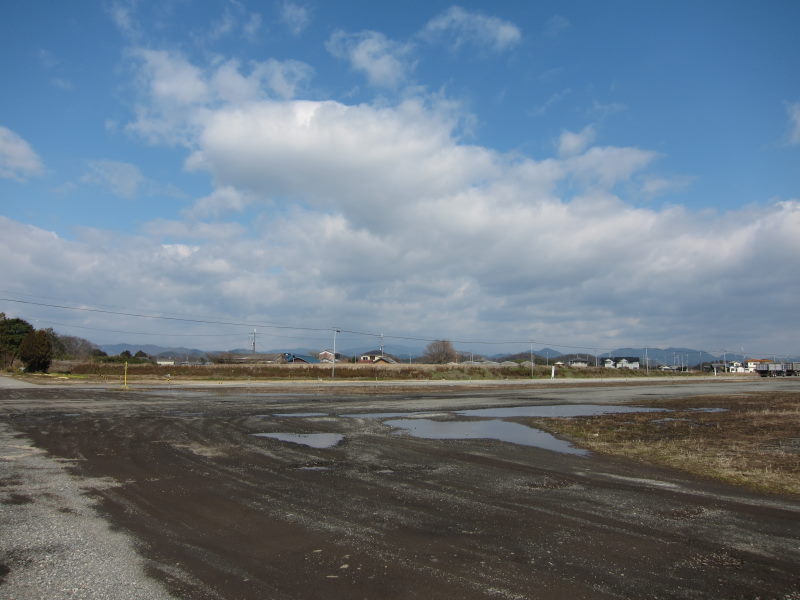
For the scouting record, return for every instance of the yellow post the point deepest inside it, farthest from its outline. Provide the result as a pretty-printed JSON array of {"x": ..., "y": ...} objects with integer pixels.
[{"x": 125, "y": 384}]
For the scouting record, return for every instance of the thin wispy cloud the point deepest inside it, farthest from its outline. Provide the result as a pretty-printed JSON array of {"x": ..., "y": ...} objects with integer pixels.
[
  {"x": 385, "y": 63},
  {"x": 793, "y": 111},
  {"x": 18, "y": 160},
  {"x": 457, "y": 27},
  {"x": 295, "y": 17}
]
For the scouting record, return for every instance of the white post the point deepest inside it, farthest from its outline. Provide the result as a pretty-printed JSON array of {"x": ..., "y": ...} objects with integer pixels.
[
  {"x": 333, "y": 362},
  {"x": 531, "y": 361},
  {"x": 553, "y": 372}
]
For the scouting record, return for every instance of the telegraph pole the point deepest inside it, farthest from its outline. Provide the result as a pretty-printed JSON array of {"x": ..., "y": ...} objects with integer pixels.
[
  {"x": 531, "y": 361},
  {"x": 254, "y": 340},
  {"x": 333, "y": 362}
]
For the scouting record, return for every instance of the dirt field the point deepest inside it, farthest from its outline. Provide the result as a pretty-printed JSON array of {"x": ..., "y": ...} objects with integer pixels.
[{"x": 218, "y": 512}]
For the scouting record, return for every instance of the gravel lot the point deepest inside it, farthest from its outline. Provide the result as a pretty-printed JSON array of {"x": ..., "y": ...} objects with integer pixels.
[{"x": 106, "y": 493}]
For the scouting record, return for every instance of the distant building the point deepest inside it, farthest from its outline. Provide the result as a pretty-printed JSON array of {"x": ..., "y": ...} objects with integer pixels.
[
  {"x": 621, "y": 362},
  {"x": 327, "y": 356},
  {"x": 288, "y": 357},
  {"x": 751, "y": 364},
  {"x": 376, "y": 356},
  {"x": 581, "y": 363}
]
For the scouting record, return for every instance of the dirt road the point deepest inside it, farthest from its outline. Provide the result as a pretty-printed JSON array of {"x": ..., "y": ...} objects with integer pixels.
[{"x": 218, "y": 512}]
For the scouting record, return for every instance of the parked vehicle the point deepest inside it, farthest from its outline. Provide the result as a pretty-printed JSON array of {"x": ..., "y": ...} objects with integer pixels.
[{"x": 778, "y": 369}]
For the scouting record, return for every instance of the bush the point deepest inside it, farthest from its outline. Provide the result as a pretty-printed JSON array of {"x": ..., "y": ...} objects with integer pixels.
[{"x": 36, "y": 351}]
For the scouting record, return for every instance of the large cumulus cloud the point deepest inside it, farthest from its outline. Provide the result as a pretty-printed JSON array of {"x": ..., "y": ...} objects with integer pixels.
[{"x": 382, "y": 217}]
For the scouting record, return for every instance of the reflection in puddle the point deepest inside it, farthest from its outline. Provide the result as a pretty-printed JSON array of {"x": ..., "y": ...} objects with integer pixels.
[
  {"x": 387, "y": 415},
  {"x": 313, "y": 468},
  {"x": 312, "y": 440},
  {"x": 559, "y": 410},
  {"x": 301, "y": 414},
  {"x": 492, "y": 429}
]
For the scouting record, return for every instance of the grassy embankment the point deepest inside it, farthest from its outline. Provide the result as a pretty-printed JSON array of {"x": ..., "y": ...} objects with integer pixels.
[
  {"x": 755, "y": 442},
  {"x": 346, "y": 371}
]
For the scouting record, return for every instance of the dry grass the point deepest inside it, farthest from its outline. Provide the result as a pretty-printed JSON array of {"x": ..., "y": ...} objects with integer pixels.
[
  {"x": 755, "y": 443},
  {"x": 100, "y": 371}
]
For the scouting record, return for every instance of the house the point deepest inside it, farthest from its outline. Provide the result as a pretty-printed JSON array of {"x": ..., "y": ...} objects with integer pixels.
[
  {"x": 376, "y": 356},
  {"x": 621, "y": 362},
  {"x": 751, "y": 364},
  {"x": 288, "y": 357},
  {"x": 326, "y": 356},
  {"x": 627, "y": 362}
]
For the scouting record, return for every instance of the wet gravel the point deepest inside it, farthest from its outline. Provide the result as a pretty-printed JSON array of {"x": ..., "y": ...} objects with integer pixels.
[{"x": 53, "y": 544}]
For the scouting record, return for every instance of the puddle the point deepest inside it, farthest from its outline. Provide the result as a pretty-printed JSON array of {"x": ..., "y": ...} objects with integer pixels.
[
  {"x": 300, "y": 414},
  {"x": 667, "y": 420},
  {"x": 709, "y": 410},
  {"x": 560, "y": 410},
  {"x": 312, "y": 440},
  {"x": 387, "y": 415},
  {"x": 313, "y": 468},
  {"x": 492, "y": 429}
]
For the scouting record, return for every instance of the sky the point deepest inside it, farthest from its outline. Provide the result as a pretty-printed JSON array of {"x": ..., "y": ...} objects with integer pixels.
[{"x": 581, "y": 175}]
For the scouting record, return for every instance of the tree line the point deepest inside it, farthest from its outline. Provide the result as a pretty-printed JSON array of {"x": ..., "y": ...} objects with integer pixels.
[{"x": 37, "y": 348}]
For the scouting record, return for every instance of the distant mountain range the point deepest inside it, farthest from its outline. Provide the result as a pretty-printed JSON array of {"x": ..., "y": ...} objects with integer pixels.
[{"x": 656, "y": 356}]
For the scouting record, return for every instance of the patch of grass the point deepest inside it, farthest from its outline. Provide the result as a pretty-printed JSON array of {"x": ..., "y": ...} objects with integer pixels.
[{"x": 755, "y": 442}]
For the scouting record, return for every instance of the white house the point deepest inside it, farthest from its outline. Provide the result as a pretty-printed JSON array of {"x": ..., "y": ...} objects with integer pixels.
[{"x": 621, "y": 362}]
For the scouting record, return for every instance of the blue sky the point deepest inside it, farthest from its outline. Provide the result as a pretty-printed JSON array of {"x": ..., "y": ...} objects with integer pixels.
[{"x": 590, "y": 174}]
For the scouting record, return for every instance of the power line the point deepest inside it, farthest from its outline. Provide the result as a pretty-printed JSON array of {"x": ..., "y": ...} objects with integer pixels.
[
  {"x": 285, "y": 327},
  {"x": 182, "y": 319}
]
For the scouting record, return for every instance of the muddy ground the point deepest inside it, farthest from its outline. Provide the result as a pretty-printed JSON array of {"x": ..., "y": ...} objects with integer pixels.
[{"x": 218, "y": 512}]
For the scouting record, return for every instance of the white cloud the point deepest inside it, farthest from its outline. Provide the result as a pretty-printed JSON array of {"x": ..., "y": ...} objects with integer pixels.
[
  {"x": 539, "y": 111},
  {"x": 18, "y": 161},
  {"x": 172, "y": 78},
  {"x": 609, "y": 165},
  {"x": 380, "y": 217},
  {"x": 793, "y": 110},
  {"x": 656, "y": 186},
  {"x": 555, "y": 25},
  {"x": 252, "y": 26},
  {"x": 120, "y": 178},
  {"x": 121, "y": 13},
  {"x": 458, "y": 27},
  {"x": 271, "y": 77},
  {"x": 384, "y": 62},
  {"x": 175, "y": 93},
  {"x": 295, "y": 16},
  {"x": 571, "y": 143},
  {"x": 221, "y": 201}
]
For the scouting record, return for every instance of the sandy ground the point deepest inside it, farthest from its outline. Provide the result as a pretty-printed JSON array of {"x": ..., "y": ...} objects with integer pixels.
[{"x": 213, "y": 511}]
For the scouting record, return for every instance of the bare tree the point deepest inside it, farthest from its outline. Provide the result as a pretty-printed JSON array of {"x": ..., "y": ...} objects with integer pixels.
[{"x": 440, "y": 352}]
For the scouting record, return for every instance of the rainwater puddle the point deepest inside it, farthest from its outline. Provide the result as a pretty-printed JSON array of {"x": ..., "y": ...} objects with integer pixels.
[
  {"x": 313, "y": 468},
  {"x": 492, "y": 429},
  {"x": 386, "y": 415},
  {"x": 312, "y": 440},
  {"x": 709, "y": 410},
  {"x": 559, "y": 410},
  {"x": 301, "y": 414}
]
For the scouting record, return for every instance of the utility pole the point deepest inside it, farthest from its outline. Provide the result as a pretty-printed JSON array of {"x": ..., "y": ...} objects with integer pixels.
[
  {"x": 531, "y": 361},
  {"x": 333, "y": 362},
  {"x": 254, "y": 340},
  {"x": 381, "y": 344}
]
